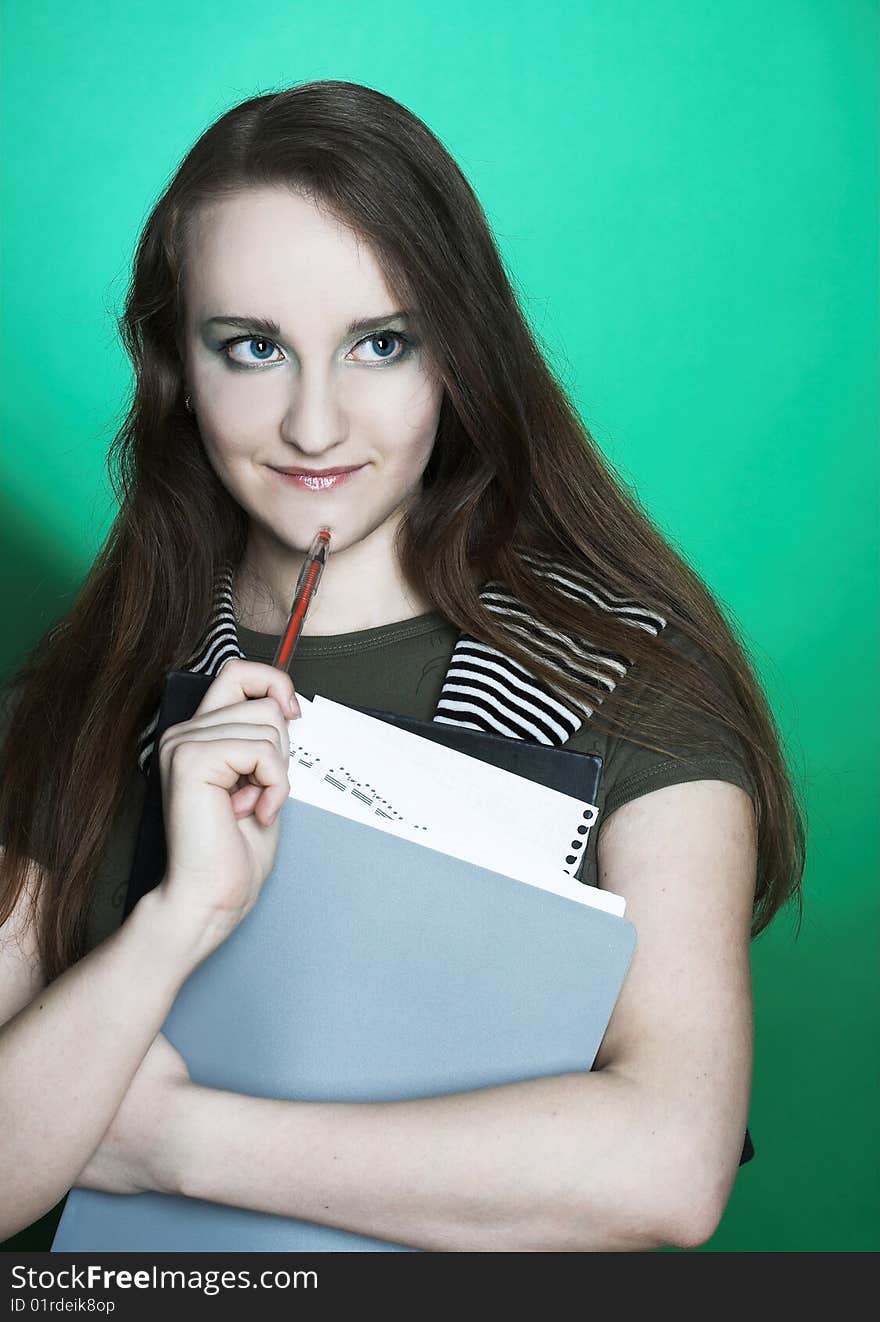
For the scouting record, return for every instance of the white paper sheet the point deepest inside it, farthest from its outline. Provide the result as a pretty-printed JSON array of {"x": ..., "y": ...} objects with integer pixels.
[{"x": 366, "y": 769}]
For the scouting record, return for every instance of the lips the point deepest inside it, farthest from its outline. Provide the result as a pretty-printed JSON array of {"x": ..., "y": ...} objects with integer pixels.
[
  {"x": 316, "y": 479},
  {"x": 317, "y": 472}
]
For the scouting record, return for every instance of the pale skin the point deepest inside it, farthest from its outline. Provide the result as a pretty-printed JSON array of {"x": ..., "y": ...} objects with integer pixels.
[
  {"x": 640, "y": 1152},
  {"x": 317, "y": 397}
]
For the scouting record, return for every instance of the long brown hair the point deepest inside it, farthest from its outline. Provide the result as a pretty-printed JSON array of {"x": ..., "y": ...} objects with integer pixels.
[{"x": 513, "y": 468}]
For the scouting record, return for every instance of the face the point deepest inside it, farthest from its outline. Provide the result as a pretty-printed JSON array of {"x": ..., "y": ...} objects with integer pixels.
[{"x": 283, "y": 408}]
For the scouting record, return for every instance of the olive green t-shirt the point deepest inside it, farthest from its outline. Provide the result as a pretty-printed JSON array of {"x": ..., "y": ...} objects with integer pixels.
[{"x": 400, "y": 668}]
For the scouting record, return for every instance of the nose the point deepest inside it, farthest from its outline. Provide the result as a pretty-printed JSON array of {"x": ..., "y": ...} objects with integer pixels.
[{"x": 313, "y": 422}]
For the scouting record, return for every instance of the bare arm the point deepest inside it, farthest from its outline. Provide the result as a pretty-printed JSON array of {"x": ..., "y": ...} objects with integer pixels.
[
  {"x": 639, "y": 1153},
  {"x": 69, "y": 1051}
]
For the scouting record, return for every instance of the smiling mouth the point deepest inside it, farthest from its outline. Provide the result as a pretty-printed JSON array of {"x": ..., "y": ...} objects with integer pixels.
[{"x": 316, "y": 480}]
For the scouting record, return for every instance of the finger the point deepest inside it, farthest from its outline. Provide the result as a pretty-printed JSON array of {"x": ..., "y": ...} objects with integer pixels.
[
  {"x": 221, "y": 762},
  {"x": 253, "y": 710},
  {"x": 244, "y": 800},
  {"x": 220, "y": 729},
  {"x": 240, "y": 679}
]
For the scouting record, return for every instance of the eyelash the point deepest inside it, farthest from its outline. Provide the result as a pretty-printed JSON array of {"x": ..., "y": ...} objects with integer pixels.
[{"x": 405, "y": 341}]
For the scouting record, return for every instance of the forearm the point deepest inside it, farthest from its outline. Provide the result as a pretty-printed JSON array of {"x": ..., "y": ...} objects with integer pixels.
[
  {"x": 569, "y": 1163},
  {"x": 67, "y": 1058}
]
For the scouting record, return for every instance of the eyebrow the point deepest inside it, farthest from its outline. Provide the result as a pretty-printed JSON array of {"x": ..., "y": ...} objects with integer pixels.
[{"x": 266, "y": 326}]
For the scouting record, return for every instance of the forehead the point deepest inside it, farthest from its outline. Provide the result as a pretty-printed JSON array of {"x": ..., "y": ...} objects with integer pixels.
[{"x": 280, "y": 248}]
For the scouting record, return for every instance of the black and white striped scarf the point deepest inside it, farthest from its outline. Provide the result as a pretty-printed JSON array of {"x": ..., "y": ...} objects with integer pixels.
[{"x": 483, "y": 689}]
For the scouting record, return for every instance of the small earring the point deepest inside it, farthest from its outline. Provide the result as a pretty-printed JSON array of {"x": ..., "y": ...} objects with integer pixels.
[{"x": 187, "y": 404}]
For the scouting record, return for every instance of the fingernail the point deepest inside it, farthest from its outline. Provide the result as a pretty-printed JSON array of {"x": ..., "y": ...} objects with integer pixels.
[{"x": 293, "y": 707}]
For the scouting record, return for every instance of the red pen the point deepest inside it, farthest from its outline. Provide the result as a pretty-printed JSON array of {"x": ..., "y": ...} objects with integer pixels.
[{"x": 303, "y": 595}]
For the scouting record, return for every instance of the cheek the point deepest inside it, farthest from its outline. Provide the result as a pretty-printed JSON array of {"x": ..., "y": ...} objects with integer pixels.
[
  {"x": 229, "y": 463},
  {"x": 225, "y": 449},
  {"x": 423, "y": 415},
  {"x": 408, "y": 460}
]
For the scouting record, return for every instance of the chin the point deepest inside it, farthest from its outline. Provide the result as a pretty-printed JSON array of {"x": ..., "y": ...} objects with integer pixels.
[
  {"x": 345, "y": 532},
  {"x": 342, "y": 535}
]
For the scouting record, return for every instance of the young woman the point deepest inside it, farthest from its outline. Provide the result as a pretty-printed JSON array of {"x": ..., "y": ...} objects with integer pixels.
[{"x": 322, "y": 332}]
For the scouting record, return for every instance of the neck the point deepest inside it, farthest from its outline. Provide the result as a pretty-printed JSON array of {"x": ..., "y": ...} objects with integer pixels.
[{"x": 362, "y": 587}]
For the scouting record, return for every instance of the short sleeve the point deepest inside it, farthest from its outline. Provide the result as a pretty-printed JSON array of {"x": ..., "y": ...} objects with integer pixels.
[{"x": 632, "y": 770}]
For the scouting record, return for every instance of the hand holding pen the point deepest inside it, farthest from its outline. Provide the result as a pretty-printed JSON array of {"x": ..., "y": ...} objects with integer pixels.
[{"x": 225, "y": 779}]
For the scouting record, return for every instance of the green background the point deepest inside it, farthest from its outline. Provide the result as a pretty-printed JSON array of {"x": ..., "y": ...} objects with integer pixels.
[{"x": 686, "y": 195}]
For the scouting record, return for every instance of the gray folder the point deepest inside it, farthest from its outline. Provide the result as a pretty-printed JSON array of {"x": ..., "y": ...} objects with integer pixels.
[{"x": 370, "y": 969}]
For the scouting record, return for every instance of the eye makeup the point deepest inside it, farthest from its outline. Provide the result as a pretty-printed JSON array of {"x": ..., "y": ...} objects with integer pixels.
[{"x": 407, "y": 342}]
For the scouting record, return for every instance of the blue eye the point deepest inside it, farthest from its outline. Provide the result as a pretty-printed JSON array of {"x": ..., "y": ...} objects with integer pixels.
[
  {"x": 245, "y": 339},
  {"x": 380, "y": 336},
  {"x": 404, "y": 342}
]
